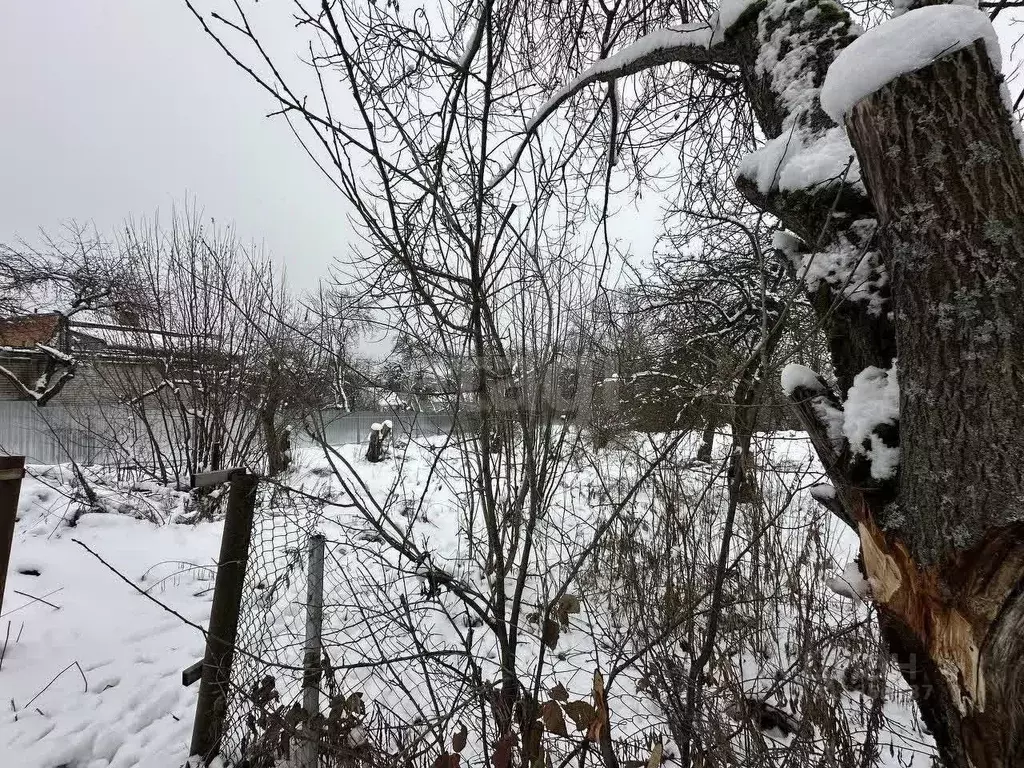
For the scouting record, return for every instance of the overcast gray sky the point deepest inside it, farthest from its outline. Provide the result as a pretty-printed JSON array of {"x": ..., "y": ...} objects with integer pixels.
[
  {"x": 112, "y": 108},
  {"x": 117, "y": 108}
]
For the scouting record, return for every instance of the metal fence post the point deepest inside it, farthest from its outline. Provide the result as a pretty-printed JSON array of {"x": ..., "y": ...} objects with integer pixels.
[
  {"x": 211, "y": 707},
  {"x": 12, "y": 469},
  {"x": 314, "y": 635}
]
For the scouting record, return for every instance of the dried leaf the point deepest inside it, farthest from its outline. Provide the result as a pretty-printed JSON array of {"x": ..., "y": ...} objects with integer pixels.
[
  {"x": 502, "y": 755},
  {"x": 601, "y": 708},
  {"x": 284, "y": 746},
  {"x": 657, "y": 751},
  {"x": 565, "y": 605},
  {"x": 265, "y": 691},
  {"x": 354, "y": 704},
  {"x": 295, "y": 715},
  {"x": 445, "y": 760},
  {"x": 582, "y": 714},
  {"x": 554, "y": 721},
  {"x": 459, "y": 739},
  {"x": 558, "y": 693},
  {"x": 569, "y": 603},
  {"x": 551, "y": 632}
]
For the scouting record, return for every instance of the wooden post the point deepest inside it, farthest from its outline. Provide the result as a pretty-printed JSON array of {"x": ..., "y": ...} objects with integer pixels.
[
  {"x": 314, "y": 634},
  {"x": 12, "y": 469},
  {"x": 211, "y": 707}
]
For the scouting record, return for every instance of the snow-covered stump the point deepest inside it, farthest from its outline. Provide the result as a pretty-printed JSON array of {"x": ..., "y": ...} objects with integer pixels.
[
  {"x": 380, "y": 434},
  {"x": 927, "y": 113}
]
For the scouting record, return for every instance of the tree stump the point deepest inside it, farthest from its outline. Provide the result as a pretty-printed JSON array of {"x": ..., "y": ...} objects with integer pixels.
[{"x": 380, "y": 437}]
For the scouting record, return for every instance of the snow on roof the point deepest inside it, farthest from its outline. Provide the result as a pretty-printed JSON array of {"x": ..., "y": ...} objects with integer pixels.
[
  {"x": 901, "y": 45},
  {"x": 131, "y": 337}
]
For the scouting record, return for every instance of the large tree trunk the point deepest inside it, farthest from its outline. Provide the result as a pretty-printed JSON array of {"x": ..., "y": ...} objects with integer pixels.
[{"x": 946, "y": 557}]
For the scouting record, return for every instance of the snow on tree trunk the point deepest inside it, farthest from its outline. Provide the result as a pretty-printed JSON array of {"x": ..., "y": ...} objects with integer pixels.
[
  {"x": 707, "y": 442},
  {"x": 942, "y": 163}
]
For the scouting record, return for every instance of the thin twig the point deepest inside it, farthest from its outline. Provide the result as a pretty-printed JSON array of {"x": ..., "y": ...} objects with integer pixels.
[
  {"x": 33, "y": 597},
  {"x": 14, "y": 610},
  {"x": 4, "y": 651},
  {"x": 54, "y": 679}
]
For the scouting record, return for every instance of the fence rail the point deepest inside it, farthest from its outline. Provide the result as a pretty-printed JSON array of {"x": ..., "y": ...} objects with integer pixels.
[
  {"x": 84, "y": 433},
  {"x": 53, "y": 434}
]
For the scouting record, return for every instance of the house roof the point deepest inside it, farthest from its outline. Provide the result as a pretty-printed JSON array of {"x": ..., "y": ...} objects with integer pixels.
[
  {"x": 26, "y": 331},
  {"x": 127, "y": 337}
]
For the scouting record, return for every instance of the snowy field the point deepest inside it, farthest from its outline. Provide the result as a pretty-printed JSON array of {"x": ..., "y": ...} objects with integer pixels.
[{"x": 91, "y": 677}]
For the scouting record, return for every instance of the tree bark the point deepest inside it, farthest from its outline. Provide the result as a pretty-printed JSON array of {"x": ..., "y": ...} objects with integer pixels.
[{"x": 943, "y": 167}]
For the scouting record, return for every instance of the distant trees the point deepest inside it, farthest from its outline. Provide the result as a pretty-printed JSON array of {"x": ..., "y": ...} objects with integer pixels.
[
  {"x": 229, "y": 371},
  {"x": 334, "y": 321},
  {"x": 208, "y": 359}
]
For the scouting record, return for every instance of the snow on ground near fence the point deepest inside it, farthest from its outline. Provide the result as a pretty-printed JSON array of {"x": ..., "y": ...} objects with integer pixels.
[
  {"x": 97, "y": 683},
  {"x": 114, "y": 658}
]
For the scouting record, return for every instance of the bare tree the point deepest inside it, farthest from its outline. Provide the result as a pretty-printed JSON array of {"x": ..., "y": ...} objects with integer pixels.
[
  {"x": 927, "y": 530},
  {"x": 71, "y": 274},
  {"x": 216, "y": 369}
]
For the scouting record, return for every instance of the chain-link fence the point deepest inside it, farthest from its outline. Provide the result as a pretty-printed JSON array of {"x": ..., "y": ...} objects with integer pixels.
[
  {"x": 289, "y": 646},
  {"x": 332, "y": 623},
  {"x": 267, "y": 670}
]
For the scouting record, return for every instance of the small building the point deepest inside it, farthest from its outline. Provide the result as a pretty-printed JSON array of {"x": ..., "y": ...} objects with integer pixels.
[{"x": 85, "y": 361}]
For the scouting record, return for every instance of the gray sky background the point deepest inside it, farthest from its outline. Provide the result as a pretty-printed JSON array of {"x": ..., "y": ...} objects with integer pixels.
[
  {"x": 115, "y": 108},
  {"x": 118, "y": 108}
]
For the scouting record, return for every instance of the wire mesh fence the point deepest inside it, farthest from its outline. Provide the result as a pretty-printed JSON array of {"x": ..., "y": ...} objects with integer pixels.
[
  {"x": 323, "y": 667},
  {"x": 266, "y": 674}
]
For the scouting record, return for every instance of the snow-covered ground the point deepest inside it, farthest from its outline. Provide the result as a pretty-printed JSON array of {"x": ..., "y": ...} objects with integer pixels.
[{"x": 96, "y": 681}]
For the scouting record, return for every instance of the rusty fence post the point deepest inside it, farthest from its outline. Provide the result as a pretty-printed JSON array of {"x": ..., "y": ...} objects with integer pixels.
[
  {"x": 211, "y": 707},
  {"x": 12, "y": 469}
]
